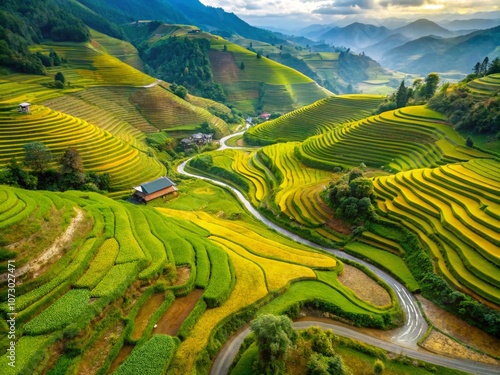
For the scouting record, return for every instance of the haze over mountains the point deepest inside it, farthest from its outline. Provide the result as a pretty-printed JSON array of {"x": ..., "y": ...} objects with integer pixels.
[{"x": 418, "y": 45}]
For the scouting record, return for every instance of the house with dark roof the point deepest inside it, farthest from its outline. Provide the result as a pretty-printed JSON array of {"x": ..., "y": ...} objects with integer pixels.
[{"x": 154, "y": 189}]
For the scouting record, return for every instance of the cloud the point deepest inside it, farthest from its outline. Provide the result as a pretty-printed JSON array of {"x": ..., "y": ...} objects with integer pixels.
[
  {"x": 403, "y": 3},
  {"x": 346, "y": 7}
]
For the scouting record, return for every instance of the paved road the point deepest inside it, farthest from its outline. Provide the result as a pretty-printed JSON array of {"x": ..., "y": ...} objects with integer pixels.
[{"x": 404, "y": 339}]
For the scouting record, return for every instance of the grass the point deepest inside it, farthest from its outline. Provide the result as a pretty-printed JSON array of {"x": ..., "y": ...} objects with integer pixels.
[{"x": 386, "y": 260}]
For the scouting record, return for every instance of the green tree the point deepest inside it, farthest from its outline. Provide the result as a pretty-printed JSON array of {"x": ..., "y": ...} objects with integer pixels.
[
  {"x": 469, "y": 142},
  {"x": 180, "y": 91},
  {"x": 60, "y": 77},
  {"x": 225, "y": 48},
  {"x": 242, "y": 66},
  {"x": 378, "y": 367},
  {"x": 259, "y": 55},
  {"x": 37, "y": 156},
  {"x": 401, "y": 95},
  {"x": 73, "y": 175},
  {"x": 274, "y": 336},
  {"x": 431, "y": 85}
]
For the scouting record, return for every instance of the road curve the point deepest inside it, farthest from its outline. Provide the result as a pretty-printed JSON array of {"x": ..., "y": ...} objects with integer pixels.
[{"x": 404, "y": 339}]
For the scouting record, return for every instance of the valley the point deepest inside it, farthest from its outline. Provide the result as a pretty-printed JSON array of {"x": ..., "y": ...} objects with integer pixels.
[{"x": 302, "y": 185}]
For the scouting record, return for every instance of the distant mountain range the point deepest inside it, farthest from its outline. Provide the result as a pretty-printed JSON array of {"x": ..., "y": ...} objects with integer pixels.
[
  {"x": 420, "y": 46},
  {"x": 190, "y": 12}
]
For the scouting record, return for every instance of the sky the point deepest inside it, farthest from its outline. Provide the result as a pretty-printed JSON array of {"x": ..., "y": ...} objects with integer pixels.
[{"x": 299, "y": 13}]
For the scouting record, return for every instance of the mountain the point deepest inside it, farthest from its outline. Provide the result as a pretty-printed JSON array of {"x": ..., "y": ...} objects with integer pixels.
[
  {"x": 190, "y": 12},
  {"x": 472, "y": 24},
  {"x": 422, "y": 27},
  {"x": 432, "y": 53},
  {"x": 356, "y": 35},
  {"x": 378, "y": 50}
]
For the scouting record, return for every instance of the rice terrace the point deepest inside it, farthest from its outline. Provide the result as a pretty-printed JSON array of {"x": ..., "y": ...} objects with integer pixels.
[{"x": 184, "y": 193}]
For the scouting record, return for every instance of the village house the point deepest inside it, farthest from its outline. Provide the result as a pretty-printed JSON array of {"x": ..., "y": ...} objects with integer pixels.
[
  {"x": 154, "y": 189},
  {"x": 24, "y": 107},
  {"x": 197, "y": 139}
]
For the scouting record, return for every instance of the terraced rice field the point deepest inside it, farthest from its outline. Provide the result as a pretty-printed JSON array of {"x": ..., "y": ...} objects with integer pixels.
[
  {"x": 124, "y": 243},
  {"x": 486, "y": 85},
  {"x": 317, "y": 118},
  {"x": 404, "y": 139},
  {"x": 167, "y": 111},
  {"x": 292, "y": 187},
  {"x": 454, "y": 209},
  {"x": 100, "y": 151},
  {"x": 290, "y": 88}
]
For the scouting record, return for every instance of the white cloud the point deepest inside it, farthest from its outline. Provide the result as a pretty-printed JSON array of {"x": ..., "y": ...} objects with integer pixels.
[{"x": 262, "y": 12}]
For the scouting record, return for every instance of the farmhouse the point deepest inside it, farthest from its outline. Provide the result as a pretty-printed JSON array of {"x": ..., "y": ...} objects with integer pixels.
[
  {"x": 24, "y": 107},
  {"x": 154, "y": 189}
]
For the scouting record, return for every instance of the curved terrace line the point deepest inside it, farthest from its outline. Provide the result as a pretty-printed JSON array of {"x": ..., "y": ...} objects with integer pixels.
[{"x": 404, "y": 339}]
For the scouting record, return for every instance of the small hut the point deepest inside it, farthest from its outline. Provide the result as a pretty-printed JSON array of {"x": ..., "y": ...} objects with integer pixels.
[
  {"x": 154, "y": 189},
  {"x": 24, "y": 107}
]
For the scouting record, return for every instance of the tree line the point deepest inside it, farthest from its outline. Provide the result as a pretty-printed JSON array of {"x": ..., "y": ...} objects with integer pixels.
[
  {"x": 466, "y": 110},
  {"x": 36, "y": 173},
  {"x": 185, "y": 62},
  {"x": 23, "y": 23}
]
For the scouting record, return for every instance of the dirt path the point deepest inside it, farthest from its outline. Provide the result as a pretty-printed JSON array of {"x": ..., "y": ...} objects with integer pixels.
[{"x": 53, "y": 251}]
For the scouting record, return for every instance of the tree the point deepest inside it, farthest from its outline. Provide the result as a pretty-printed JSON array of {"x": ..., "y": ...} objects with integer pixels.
[
  {"x": 37, "y": 157},
  {"x": 259, "y": 55},
  {"x": 469, "y": 142},
  {"x": 72, "y": 169},
  {"x": 494, "y": 66},
  {"x": 242, "y": 66},
  {"x": 477, "y": 69},
  {"x": 274, "y": 335},
  {"x": 225, "y": 48},
  {"x": 431, "y": 85},
  {"x": 484, "y": 66},
  {"x": 60, "y": 77},
  {"x": 401, "y": 95},
  {"x": 180, "y": 91},
  {"x": 378, "y": 367}
]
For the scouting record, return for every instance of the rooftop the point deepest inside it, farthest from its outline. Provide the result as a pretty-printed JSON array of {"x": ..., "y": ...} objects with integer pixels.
[{"x": 155, "y": 185}]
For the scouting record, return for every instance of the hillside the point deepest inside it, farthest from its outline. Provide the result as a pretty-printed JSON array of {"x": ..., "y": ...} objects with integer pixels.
[
  {"x": 334, "y": 68},
  {"x": 444, "y": 54},
  {"x": 262, "y": 84},
  {"x": 319, "y": 117},
  {"x": 404, "y": 139},
  {"x": 137, "y": 265}
]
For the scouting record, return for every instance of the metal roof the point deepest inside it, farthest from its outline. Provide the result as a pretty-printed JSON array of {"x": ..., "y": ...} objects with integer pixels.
[{"x": 155, "y": 185}]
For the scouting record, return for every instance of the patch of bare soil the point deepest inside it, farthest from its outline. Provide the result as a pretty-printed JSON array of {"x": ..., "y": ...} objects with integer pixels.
[
  {"x": 224, "y": 66},
  {"x": 459, "y": 329},
  {"x": 53, "y": 253},
  {"x": 183, "y": 274},
  {"x": 338, "y": 226},
  {"x": 364, "y": 286},
  {"x": 145, "y": 313},
  {"x": 171, "y": 321},
  {"x": 94, "y": 358},
  {"x": 439, "y": 343},
  {"x": 120, "y": 358}
]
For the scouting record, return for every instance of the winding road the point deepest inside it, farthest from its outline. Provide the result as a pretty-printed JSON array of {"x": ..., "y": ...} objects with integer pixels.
[{"x": 403, "y": 340}]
